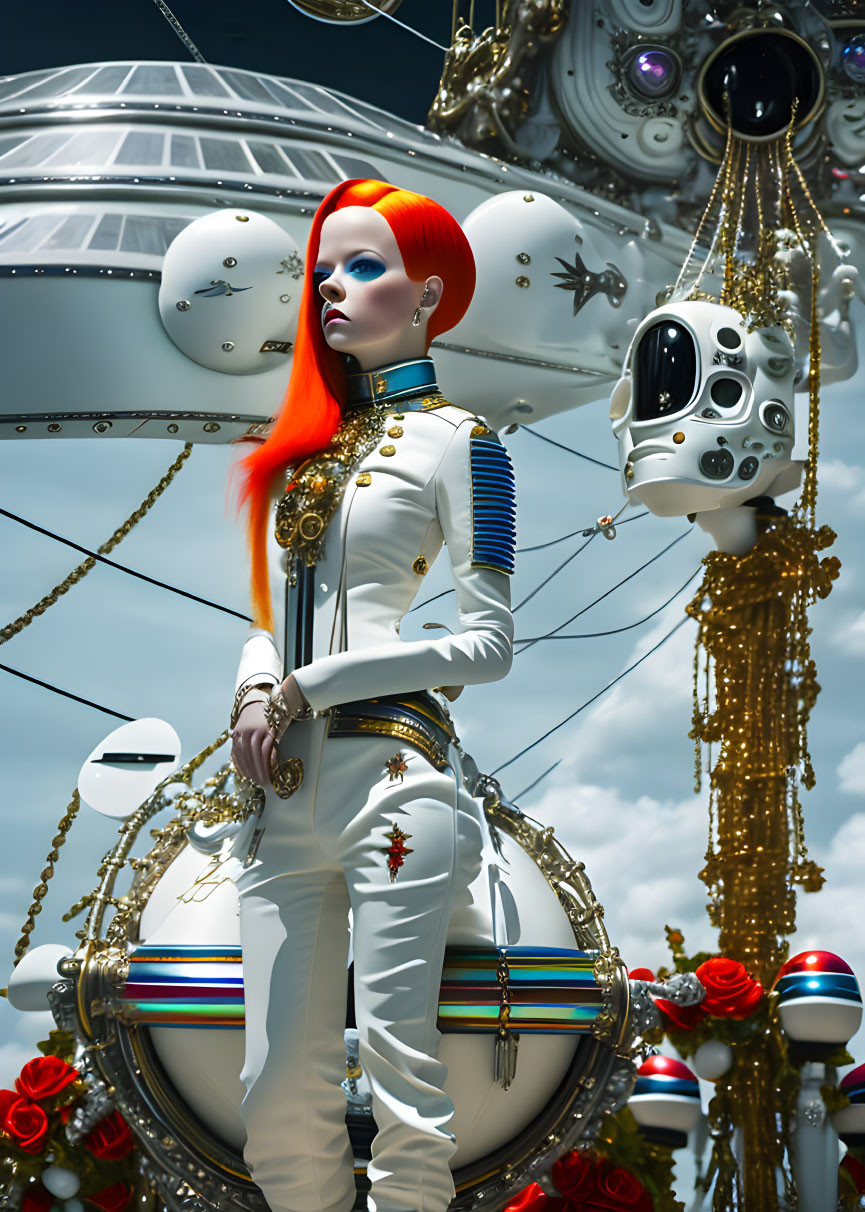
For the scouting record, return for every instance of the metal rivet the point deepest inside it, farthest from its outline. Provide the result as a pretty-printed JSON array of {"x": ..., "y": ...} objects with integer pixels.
[
  {"x": 212, "y": 427},
  {"x": 20, "y": 428},
  {"x": 722, "y": 441},
  {"x": 242, "y": 218},
  {"x": 230, "y": 262},
  {"x": 629, "y": 471},
  {"x": 524, "y": 258},
  {"x": 102, "y": 427},
  {"x": 182, "y": 305},
  {"x": 285, "y": 298},
  {"x": 395, "y": 431},
  {"x": 420, "y": 566},
  {"x": 387, "y": 451},
  {"x": 363, "y": 479},
  {"x": 172, "y": 428},
  {"x": 678, "y": 438},
  {"x": 522, "y": 281},
  {"x": 54, "y": 427},
  {"x": 228, "y": 346}
]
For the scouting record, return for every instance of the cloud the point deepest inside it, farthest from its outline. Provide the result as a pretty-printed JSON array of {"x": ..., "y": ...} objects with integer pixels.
[
  {"x": 838, "y": 476},
  {"x": 641, "y": 856},
  {"x": 851, "y": 638},
  {"x": 851, "y": 771}
]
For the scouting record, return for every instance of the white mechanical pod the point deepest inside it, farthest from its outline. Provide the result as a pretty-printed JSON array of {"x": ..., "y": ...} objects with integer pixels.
[
  {"x": 124, "y": 769},
  {"x": 35, "y": 975},
  {"x": 230, "y": 291},
  {"x": 636, "y": 122},
  {"x": 703, "y": 412},
  {"x": 551, "y": 290}
]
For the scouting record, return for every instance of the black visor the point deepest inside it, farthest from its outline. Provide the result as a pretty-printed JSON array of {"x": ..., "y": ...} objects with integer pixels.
[{"x": 665, "y": 370}]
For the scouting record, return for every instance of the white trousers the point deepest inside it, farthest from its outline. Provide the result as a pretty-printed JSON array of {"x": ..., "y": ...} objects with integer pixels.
[{"x": 323, "y": 851}]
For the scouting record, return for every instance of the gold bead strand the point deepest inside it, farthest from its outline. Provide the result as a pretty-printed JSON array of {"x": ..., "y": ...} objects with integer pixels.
[{"x": 41, "y": 889}]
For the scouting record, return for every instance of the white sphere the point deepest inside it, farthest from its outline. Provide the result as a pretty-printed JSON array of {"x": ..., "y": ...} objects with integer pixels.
[
  {"x": 60, "y": 1182},
  {"x": 712, "y": 1060},
  {"x": 230, "y": 292}
]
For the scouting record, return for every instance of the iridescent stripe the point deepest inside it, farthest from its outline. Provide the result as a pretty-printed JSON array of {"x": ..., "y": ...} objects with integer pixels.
[
  {"x": 659, "y": 1084},
  {"x": 824, "y": 984}
]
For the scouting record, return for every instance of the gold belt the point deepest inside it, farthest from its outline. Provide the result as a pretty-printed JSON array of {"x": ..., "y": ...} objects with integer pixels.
[{"x": 416, "y": 720}]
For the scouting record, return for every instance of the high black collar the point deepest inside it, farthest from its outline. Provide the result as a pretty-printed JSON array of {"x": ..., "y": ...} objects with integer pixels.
[{"x": 397, "y": 381}]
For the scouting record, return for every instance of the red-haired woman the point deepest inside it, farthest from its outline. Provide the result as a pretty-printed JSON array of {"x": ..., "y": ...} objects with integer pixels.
[{"x": 372, "y": 471}]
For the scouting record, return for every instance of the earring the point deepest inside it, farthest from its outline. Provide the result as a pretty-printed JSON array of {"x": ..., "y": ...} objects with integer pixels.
[{"x": 417, "y": 318}]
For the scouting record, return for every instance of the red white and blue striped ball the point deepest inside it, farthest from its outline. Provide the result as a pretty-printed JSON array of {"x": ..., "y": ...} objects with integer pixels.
[
  {"x": 818, "y": 998},
  {"x": 666, "y": 1096},
  {"x": 849, "y": 1122}
]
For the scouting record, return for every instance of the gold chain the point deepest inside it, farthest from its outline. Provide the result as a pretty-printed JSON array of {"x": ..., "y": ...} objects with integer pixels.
[
  {"x": 41, "y": 889},
  {"x": 78, "y": 574}
]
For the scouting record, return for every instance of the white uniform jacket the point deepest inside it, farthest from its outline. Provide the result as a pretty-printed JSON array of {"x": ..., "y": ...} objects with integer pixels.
[{"x": 436, "y": 477}]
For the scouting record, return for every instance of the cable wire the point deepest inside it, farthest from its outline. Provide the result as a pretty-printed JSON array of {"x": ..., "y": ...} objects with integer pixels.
[
  {"x": 593, "y": 635},
  {"x": 537, "y": 639},
  {"x": 537, "y": 589},
  {"x": 572, "y": 534},
  {"x": 539, "y": 779},
  {"x": 180, "y": 31},
  {"x": 593, "y": 699},
  {"x": 184, "y": 593},
  {"x": 66, "y": 694},
  {"x": 569, "y": 449},
  {"x": 381, "y": 13}
]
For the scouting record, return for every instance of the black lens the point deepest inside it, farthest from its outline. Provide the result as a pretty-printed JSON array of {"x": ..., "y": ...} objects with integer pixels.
[
  {"x": 775, "y": 417},
  {"x": 764, "y": 75},
  {"x": 716, "y": 464},
  {"x": 665, "y": 371},
  {"x": 728, "y": 338},
  {"x": 726, "y": 392},
  {"x": 748, "y": 468}
]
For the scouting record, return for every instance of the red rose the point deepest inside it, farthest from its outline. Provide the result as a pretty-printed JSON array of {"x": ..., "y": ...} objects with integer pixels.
[
  {"x": 533, "y": 1199},
  {"x": 24, "y": 1121},
  {"x": 111, "y": 1139},
  {"x": 730, "y": 991},
  {"x": 111, "y": 1199},
  {"x": 45, "y": 1076},
  {"x": 681, "y": 1018},
  {"x": 36, "y": 1199},
  {"x": 619, "y": 1191},
  {"x": 575, "y": 1175}
]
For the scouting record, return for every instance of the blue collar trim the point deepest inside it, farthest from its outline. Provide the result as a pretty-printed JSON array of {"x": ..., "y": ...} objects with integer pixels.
[{"x": 391, "y": 382}]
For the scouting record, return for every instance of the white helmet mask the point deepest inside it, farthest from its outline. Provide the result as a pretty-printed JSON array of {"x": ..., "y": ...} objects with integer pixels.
[{"x": 703, "y": 412}]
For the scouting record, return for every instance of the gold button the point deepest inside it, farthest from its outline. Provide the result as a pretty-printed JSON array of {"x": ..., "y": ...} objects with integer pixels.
[
  {"x": 363, "y": 479},
  {"x": 387, "y": 451},
  {"x": 477, "y": 430},
  {"x": 318, "y": 485},
  {"x": 395, "y": 431},
  {"x": 420, "y": 566},
  {"x": 678, "y": 438}
]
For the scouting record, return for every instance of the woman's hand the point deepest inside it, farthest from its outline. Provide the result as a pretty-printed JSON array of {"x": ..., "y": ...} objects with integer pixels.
[{"x": 252, "y": 749}]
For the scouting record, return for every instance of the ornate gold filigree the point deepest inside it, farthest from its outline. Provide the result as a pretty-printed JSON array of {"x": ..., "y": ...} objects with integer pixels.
[
  {"x": 314, "y": 491},
  {"x": 484, "y": 91}
]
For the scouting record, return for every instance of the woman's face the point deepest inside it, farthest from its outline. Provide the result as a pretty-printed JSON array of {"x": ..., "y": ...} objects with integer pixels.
[{"x": 369, "y": 300}]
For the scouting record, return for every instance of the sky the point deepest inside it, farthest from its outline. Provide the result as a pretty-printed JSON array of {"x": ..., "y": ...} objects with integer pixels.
[{"x": 621, "y": 798}]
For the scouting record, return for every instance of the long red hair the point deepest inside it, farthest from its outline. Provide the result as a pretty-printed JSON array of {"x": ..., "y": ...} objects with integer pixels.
[{"x": 430, "y": 242}]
